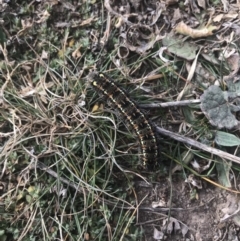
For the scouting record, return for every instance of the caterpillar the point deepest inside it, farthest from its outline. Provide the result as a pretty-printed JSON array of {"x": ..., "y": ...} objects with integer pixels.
[{"x": 118, "y": 99}]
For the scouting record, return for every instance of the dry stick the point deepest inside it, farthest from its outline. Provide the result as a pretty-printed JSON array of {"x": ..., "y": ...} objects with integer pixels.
[
  {"x": 187, "y": 140},
  {"x": 170, "y": 104},
  {"x": 162, "y": 131},
  {"x": 198, "y": 145}
]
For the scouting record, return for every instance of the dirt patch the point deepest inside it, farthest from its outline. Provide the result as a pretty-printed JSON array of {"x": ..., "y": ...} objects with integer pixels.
[{"x": 199, "y": 218}]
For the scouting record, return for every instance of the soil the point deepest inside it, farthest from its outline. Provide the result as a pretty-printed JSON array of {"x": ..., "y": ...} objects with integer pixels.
[{"x": 195, "y": 214}]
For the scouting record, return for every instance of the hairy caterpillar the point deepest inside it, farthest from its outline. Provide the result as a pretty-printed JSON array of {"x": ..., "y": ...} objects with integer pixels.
[{"x": 119, "y": 100}]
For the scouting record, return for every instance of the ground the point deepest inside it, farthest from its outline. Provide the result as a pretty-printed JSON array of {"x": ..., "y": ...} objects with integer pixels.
[
  {"x": 74, "y": 166},
  {"x": 199, "y": 218}
]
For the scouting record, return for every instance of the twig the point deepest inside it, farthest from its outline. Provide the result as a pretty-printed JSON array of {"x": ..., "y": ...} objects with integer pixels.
[
  {"x": 170, "y": 104},
  {"x": 198, "y": 145}
]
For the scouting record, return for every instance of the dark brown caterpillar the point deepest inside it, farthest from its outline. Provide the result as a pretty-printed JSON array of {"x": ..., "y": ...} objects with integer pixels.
[{"x": 118, "y": 98}]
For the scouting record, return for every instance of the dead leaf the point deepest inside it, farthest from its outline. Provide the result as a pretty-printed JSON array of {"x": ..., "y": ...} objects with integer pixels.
[
  {"x": 68, "y": 5},
  {"x": 43, "y": 17},
  {"x": 231, "y": 15},
  {"x": 202, "y": 3},
  {"x": 27, "y": 66},
  {"x": 44, "y": 55},
  {"x": 40, "y": 90},
  {"x": 76, "y": 53},
  {"x": 138, "y": 41},
  {"x": 87, "y": 21},
  {"x": 3, "y": 6},
  {"x": 199, "y": 167},
  {"x": 182, "y": 28},
  {"x": 194, "y": 181},
  {"x": 158, "y": 235},
  {"x": 218, "y": 18},
  {"x": 233, "y": 61},
  {"x": 27, "y": 91},
  {"x": 160, "y": 203},
  {"x": 157, "y": 12},
  {"x": 172, "y": 225},
  {"x": 71, "y": 42},
  {"x": 231, "y": 209},
  {"x": 26, "y": 23},
  {"x": 176, "y": 15},
  {"x": 83, "y": 22}
]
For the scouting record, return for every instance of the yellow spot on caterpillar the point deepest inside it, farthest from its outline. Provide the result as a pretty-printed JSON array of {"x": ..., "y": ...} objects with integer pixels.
[{"x": 94, "y": 83}]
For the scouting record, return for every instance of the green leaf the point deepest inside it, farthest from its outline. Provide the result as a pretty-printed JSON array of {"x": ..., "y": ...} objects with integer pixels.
[
  {"x": 226, "y": 139},
  {"x": 215, "y": 106},
  {"x": 189, "y": 115},
  {"x": 185, "y": 50},
  {"x": 223, "y": 169}
]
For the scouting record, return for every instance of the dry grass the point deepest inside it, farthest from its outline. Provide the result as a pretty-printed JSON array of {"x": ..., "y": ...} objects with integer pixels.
[{"x": 68, "y": 162}]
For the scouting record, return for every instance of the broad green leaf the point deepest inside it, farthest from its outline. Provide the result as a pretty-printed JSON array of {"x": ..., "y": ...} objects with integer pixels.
[
  {"x": 185, "y": 50},
  {"x": 223, "y": 169},
  {"x": 226, "y": 139},
  {"x": 215, "y": 106}
]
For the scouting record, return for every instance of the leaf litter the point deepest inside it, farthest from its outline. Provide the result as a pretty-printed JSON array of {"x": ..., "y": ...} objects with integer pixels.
[{"x": 206, "y": 59}]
